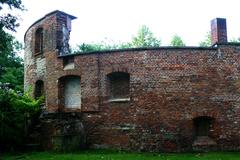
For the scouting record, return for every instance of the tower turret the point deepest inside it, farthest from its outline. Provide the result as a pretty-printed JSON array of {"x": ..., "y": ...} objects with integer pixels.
[{"x": 47, "y": 36}]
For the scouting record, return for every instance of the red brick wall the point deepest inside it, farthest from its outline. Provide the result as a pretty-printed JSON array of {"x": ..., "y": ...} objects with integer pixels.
[
  {"x": 169, "y": 87},
  {"x": 218, "y": 31}
]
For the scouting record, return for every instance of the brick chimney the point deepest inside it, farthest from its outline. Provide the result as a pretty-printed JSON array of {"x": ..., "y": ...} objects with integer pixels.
[{"x": 218, "y": 31}]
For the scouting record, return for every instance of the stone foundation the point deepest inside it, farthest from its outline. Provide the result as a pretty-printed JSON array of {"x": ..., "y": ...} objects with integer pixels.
[{"x": 62, "y": 132}]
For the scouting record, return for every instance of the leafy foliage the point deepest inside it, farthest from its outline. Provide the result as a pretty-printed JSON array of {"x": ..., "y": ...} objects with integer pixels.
[
  {"x": 15, "y": 112},
  {"x": 235, "y": 40},
  {"x": 177, "y": 41},
  {"x": 15, "y": 108},
  {"x": 145, "y": 38},
  {"x": 9, "y": 21},
  {"x": 11, "y": 65},
  {"x": 90, "y": 47},
  {"x": 100, "y": 47},
  {"x": 207, "y": 41}
]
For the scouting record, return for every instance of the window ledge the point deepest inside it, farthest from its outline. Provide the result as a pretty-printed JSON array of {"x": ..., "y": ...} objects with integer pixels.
[
  {"x": 69, "y": 66},
  {"x": 119, "y": 100}
]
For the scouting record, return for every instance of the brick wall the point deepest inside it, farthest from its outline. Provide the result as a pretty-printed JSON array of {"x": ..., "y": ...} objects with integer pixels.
[{"x": 169, "y": 88}]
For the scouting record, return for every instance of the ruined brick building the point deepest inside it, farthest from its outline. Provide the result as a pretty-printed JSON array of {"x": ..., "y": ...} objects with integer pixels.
[{"x": 149, "y": 99}]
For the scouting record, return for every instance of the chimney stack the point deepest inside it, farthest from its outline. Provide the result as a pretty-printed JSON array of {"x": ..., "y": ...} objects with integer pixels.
[{"x": 218, "y": 31}]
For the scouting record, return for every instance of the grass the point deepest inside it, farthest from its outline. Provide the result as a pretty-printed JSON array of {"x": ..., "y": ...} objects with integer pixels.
[{"x": 114, "y": 155}]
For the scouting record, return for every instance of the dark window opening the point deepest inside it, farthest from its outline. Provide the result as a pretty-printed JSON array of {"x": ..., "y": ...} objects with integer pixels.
[
  {"x": 202, "y": 125},
  {"x": 39, "y": 41},
  {"x": 68, "y": 60},
  {"x": 118, "y": 85},
  {"x": 39, "y": 89}
]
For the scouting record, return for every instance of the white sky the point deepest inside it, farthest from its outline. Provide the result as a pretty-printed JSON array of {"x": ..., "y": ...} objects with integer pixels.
[{"x": 119, "y": 20}]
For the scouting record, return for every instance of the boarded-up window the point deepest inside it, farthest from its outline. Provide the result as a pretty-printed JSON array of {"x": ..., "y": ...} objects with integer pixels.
[
  {"x": 39, "y": 41},
  {"x": 72, "y": 92},
  {"x": 39, "y": 89},
  {"x": 202, "y": 125},
  {"x": 118, "y": 85}
]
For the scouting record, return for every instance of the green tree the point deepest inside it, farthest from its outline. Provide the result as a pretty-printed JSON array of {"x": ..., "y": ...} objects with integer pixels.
[
  {"x": 11, "y": 66},
  {"x": 84, "y": 47},
  {"x": 235, "y": 40},
  {"x": 15, "y": 109},
  {"x": 145, "y": 38},
  {"x": 177, "y": 41},
  {"x": 207, "y": 41},
  {"x": 9, "y": 21}
]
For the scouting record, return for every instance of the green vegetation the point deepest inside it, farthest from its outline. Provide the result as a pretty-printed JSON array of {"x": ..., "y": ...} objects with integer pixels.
[
  {"x": 11, "y": 66},
  {"x": 16, "y": 112},
  {"x": 235, "y": 40},
  {"x": 207, "y": 41},
  {"x": 9, "y": 21},
  {"x": 177, "y": 41},
  {"x": 103, "y": 45},
  {"x": 16, "y": 109},
  {"x": 114, "y": 155},
  {"x": 143, "y": 38}
]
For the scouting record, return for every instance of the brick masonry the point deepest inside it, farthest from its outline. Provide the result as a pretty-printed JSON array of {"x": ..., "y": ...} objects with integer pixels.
[
  {"x": 169, "y": 87},
  {"x": 218, "y": 31}
]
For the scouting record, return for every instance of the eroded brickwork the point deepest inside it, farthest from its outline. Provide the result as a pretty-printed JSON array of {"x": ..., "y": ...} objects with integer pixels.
[{"x": 168, "y": 87}]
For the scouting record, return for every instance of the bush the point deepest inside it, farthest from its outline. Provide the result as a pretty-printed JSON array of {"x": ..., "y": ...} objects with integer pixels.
[{"x": 16, "y": 109}]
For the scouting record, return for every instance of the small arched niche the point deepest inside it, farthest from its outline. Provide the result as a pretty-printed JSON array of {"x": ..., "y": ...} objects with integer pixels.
[{"x": 39, "y": 89}]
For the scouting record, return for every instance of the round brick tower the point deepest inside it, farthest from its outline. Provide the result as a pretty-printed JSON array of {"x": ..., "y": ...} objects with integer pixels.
[
  {"x": 45, "y": 41},
  {"x": 45, "y": 38}
]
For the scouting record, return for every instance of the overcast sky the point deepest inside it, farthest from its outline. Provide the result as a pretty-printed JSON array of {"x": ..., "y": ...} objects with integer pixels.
[{"x": 119, "y": 20}]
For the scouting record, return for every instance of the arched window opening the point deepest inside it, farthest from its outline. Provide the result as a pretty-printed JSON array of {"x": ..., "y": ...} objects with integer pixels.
[
  {"x": 118, "y": 85},
  {"x": 70, "y": 91},
  {"x": 39, "y": 89},
  {"x": 202, "y": 125},
  {"x": 39, "y": 41}
]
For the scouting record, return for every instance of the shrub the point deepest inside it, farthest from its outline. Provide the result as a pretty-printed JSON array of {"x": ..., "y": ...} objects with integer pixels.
[{"x": 16, "y": 109}]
